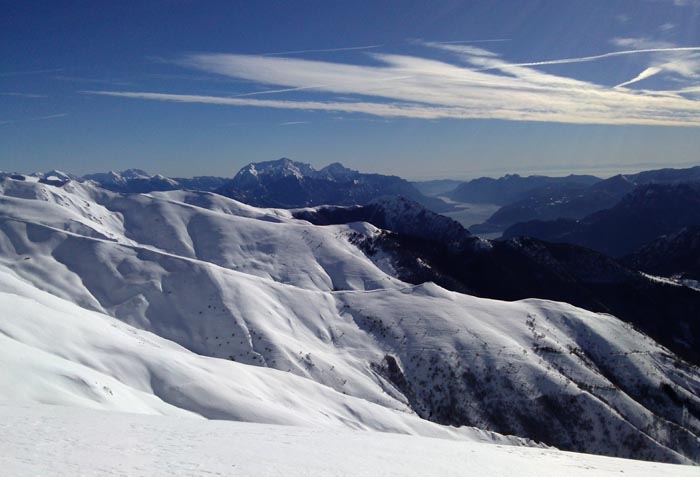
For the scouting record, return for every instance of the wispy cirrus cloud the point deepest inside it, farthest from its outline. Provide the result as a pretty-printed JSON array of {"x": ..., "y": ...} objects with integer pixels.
[
  {"x": 376, "y": 109},
  {"x": 481, "y": 86}
]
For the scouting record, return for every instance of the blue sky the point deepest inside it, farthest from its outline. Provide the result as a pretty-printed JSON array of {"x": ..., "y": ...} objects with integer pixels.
[{"x": 419, "y": 89}]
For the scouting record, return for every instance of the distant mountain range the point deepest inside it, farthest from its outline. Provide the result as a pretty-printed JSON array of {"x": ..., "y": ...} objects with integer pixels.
[
  {"x": 614, "y": 216},
  {"x": 575, "y": 200},
  {"x": 644, "y": 214},
  {"x": 282, "y": 183},
  {"x": 510, "y": 188},
  {"x": 139, "y": 181},
  {"x": 558, "y": 200},
  {"x": 288, "y": 184}
]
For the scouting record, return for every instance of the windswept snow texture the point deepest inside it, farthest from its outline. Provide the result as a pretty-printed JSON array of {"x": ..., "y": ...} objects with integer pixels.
[
  {"x": 64, "y": 442},
  {"x": 349, "y": 344}
]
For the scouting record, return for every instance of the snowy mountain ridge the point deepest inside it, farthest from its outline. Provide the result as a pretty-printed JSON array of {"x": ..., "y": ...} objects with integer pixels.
[
  {"x": 279, "y": 168},
  {"x": 279, "y": 183},
  {"x": 285, "y": 167},
  {"x": 241, "y": 290},
  {"x": 291, "y": 184}
]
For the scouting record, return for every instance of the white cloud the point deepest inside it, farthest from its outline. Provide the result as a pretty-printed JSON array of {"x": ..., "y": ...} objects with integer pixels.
[
  {"x": 488, "y": 87},
  {"x": 376, "y": 109},
  {"x": 647, "y": 73}
]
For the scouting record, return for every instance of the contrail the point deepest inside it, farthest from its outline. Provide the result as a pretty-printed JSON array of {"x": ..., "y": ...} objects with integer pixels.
[
  {"x": 494, "y": 40},
  {"x": 23, "y": 95},
  {"x": 52, "y": 116},
  {"x": 647, "y": 73},
  {"x": 323, "y": 50},
  {"x": 40, "y": 118},
  {"x": 273, "y": 91},
  {"x": 592, "y": 58}
]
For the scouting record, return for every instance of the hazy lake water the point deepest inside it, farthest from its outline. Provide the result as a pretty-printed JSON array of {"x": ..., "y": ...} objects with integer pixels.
[{"x": 470, "y": 214}]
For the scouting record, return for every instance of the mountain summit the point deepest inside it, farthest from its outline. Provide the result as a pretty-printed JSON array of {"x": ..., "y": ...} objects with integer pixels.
[
  {"x": 278, "y": 169},
  {"x": 291, "y": 184}
]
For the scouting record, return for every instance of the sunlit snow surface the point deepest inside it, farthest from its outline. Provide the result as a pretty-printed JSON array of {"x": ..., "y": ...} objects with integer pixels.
[
  {"x": 66, "y": 442},
  {"x": 186, "y": 303},
  {"x": 55, "y": 352}
]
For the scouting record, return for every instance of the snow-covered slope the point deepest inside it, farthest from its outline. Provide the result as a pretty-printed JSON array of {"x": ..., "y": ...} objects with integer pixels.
[
  {"x": 256, "y": 286},
  {"x": 54, "y": 352},
  {"x": 66, "y": 442}
]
